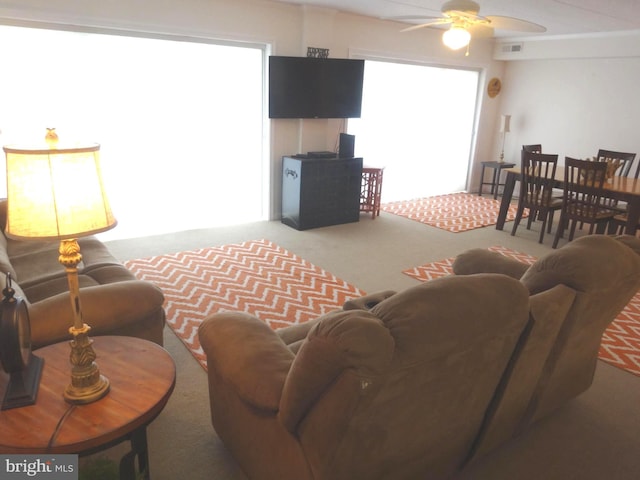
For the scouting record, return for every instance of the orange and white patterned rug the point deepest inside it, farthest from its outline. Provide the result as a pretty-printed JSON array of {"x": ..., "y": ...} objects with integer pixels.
[
  {"x": 256, "y": 277},
  {"x": 620, "y": 344},
  {"x": 455, "y": 212}
]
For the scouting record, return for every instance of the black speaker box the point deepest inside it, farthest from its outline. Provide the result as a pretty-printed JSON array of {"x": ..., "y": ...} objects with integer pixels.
[{"x": 346, "y": 146}]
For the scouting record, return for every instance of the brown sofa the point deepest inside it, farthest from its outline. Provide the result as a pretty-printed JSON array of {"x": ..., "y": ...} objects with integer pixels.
[
  {"x": 416, "y": 384},
  {"x": 113, "y": 301}
]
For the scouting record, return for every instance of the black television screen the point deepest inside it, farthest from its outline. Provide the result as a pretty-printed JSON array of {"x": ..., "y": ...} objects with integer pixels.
[{"x": 308, "y": 87}]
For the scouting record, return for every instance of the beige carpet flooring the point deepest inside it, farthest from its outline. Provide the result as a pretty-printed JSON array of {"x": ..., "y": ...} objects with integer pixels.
[{"x": 593, "y": 437}]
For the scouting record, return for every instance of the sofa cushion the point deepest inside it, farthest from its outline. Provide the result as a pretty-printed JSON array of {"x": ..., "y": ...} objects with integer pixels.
[{"x": 36, "y": 292}]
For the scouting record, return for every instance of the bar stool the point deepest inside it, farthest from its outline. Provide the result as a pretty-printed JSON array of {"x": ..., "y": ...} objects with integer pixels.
[
  {"x": 371, "y": 190},
  {"x": 495, "y": 181}
]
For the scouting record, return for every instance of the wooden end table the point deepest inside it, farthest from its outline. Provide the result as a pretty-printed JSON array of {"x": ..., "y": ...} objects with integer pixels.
[
  {"x": 371, "y": 190},
  {"x": 495, "y": 179},
  {"x": 142, "y": 376}
]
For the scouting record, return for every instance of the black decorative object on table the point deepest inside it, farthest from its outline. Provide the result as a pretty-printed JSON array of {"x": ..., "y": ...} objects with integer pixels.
[{"x": 23, "y": 367}]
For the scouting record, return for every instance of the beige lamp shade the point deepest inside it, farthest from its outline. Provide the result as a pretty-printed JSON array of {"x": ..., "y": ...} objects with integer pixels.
[
  {"x": 56, "y": 193},
  {"x": 505, "y": 123}
]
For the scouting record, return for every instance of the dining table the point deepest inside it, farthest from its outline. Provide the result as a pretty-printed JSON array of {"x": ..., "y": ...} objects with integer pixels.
[{"x": 624, "y": 189}]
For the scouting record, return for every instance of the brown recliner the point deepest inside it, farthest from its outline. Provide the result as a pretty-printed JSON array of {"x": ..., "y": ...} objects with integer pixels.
[
  {"x": 398, "y": 391},
  {"x": 576, "y": 292},
  {"x": 423, "y": 381}
]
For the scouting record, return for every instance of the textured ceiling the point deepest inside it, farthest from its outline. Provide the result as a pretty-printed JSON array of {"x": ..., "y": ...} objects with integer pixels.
[{"x": 560, "y": 17}]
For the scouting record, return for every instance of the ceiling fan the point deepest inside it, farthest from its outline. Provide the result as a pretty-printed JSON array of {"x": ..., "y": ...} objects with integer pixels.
[{"x": 463, "y": 18}]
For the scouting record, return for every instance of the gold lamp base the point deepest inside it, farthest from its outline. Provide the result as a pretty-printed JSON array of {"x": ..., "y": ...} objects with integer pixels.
[
  {"x": 87, "y": 384},
  {"x": 80, "y": 396}
]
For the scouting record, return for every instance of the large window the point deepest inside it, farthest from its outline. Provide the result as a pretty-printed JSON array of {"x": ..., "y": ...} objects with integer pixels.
[
  {"x": 180, "y": 123},
  {"x": 417, "y": 122}
]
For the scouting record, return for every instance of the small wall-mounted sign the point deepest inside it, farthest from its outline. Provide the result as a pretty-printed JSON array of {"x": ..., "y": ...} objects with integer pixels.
[{"x": 317, "y": 52}]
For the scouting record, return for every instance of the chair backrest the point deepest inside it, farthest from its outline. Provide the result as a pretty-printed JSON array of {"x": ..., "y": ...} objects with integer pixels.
[
  {"x": 538, "y": 171},
  {"x": 373, "y": 394},
  {"x": 604, "y": 271},
  {"x": 583, "y": 188},
  {"x": 625, "y": 159},
  {"x": 576, "y": 292},
  {"x": 534, "y": 148}
]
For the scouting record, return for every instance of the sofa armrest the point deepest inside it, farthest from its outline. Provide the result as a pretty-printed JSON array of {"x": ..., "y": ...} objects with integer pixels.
[
  {"x": 480, "y": 260},
  {"x": 367, "y": 302},
  {"x": 248, "y": 355},
  {"x": 105, "y": 308}
]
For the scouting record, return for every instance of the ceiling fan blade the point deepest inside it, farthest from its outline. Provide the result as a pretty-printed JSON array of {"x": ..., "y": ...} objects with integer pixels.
[
  {"x": 480, "y": 31},
  {"x": 440, "y": 21},
  {"x": 411, "y": 17},
  {"x": 471, "y": 17},
  {"x": 509, "y": 23}
]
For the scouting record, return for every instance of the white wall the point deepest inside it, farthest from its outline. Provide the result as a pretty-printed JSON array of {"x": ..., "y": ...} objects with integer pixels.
[{"x": 574, "y": 96}]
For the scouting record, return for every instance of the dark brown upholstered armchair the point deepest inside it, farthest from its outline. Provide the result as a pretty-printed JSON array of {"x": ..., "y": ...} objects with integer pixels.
[{"x": 416, "y": 385}]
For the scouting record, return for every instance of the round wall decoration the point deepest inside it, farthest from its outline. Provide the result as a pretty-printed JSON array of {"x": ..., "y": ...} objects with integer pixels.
[{"x": 494, "y": 87}]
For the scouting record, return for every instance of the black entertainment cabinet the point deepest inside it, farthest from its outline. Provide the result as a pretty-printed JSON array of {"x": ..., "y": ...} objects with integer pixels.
[{"x": 318, "y": 192}]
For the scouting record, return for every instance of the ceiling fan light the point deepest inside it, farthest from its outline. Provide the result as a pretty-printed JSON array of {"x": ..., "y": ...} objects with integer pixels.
[{"x": 456, "y": 38}]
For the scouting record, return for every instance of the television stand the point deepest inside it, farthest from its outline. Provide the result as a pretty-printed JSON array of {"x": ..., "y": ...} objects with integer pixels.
[
  {"x": 318, "y": 192},
  {"x": 323, "y": 154}
]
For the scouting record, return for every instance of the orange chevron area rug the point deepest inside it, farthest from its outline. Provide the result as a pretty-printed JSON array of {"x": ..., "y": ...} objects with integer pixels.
[
  {"x": 620, "y": 344},
  {"x": 455, "y": 212},
  {"x": 256, "y": 277}
]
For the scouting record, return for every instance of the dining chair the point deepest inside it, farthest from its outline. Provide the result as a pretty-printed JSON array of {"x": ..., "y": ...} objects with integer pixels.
[
  {"x": 537, "y": 148},
  {"x": 625, "y": 159},
  {"x": 534, "y": 148},
  {"x": 536, "y": 190},
  {"x": 618, "y": 223},
  {"x": 582, "y": 199}
]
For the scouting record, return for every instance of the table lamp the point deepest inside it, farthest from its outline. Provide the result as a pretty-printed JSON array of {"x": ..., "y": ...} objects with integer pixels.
[
  {"x": 505, "y": 120},
  {"x": 56, "y": 192}
]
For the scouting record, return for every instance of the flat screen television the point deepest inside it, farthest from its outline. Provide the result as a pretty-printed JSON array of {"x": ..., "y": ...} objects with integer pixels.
[{"x": 309, "y": 87}]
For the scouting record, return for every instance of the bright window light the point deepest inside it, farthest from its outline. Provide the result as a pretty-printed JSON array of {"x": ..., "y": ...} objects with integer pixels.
[
  {"x": 180, "y": 123},
  {"x": 420, "y": 129}
]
